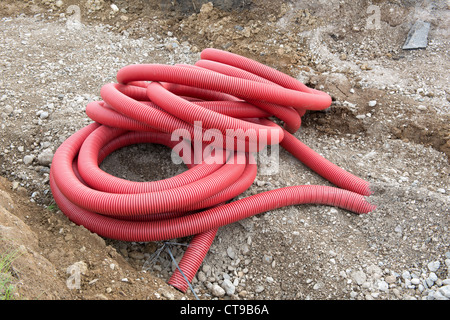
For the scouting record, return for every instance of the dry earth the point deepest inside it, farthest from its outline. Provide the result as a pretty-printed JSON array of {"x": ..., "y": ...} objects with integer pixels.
[{"x": 56, "y": 55}]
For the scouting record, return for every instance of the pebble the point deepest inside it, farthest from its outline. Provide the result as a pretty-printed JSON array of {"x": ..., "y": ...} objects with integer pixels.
[
  {"x": 206, "y": 268},
  {"x": 433, "y": 266},
  {"x": 201, "y": 276},
  {"x": 43, "y": 115},
  {"x": 231, "y": 253},
  {"x": 433, "y": 277},
  {"x": 259, "y": 288},
  {"x": 318, "y": 285},
  {"x": 45, "y": 157},
  {"x": 267, "y": 259},
  {"x": 114, "y": 8},
  {"x": 390, "y": 279},
  {"x": 406, "y": 275},
  {"x": 372, "y": 103},
  {"x": 229, "y": 287},
  {"x": 359, "y": 277},
  {"x": 28, "y": 159},
  {"x": 217, "y": 291},
  {"x": 169, "y": 295},
  {"x": 8, "y": 110},
  {"x": 445, "y": 291}
]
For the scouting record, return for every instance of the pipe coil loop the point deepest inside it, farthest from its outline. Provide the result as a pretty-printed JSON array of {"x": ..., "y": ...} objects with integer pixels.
[{"x": 222, "y": 91}]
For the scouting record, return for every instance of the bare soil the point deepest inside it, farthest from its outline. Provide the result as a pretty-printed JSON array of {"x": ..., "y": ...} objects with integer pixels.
[{"x": 54, "y": 62}]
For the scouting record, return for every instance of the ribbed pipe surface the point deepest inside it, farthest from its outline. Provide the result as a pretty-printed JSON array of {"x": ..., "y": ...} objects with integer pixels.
[{"x": 221, "y": 92}]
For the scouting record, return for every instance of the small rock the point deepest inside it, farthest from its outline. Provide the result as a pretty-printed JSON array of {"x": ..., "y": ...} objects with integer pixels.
[
  {"x": 415, "y": 281},
  {"x": 259, "y": 288},
  {"x": 429, "y": 282},
  {"x": 267, "y": 259},
  {"x": 365, "y": 66},
  {"x": 318, "y": 285},
  {"x": 436, "y": 295},
  {"x": 433, "y": 266},
  {"x": 231, "y": 253},
  {"x": 43, "y": 115},
  {"x": 229, "y": 287},
  {"x": 260, "y": 183},
  {"x": 8, "y": 110},
  {"x": 28, "y": 159},
  {"x": 406, "y": 275},
  {"x": 217, "y": 291},
  {"x": 359, "y": 277},
  {"x": 169, "y": 295},
  {"x": 207, "y": 7},
  {"x": 245, "y": 249},
  {"x": 206, "y": 268},
  {"x": 396, "y": 293},
  {"x": 433, "y": 277},
  {"x": 445, "y": 291},
  {"x": 201, "y": 276},
  {"x": 171, "y": 45},
  {"x": 68, "y": 237},
  {"x": 372, "y": 103},
  {"x": 390, "y": 279},
  {"x": 45, "y": 157},
  {"x": 422, "y": 107},
  {"x": 15, "y": 185},
  {"x": 114, "y": 8}
]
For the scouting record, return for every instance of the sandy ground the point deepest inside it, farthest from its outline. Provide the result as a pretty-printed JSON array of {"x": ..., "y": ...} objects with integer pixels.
[{"x": 54, "y": 61}]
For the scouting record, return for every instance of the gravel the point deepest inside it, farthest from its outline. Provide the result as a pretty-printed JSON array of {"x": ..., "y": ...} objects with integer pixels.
[{"x": 302, "y": 252}]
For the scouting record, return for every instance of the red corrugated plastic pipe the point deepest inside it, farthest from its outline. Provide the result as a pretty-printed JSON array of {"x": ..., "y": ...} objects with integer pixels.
[{"x": 222, "y": 92}]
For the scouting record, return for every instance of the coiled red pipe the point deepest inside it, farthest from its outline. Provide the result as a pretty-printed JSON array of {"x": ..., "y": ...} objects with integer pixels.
[{"x": 223, "y": 91}]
